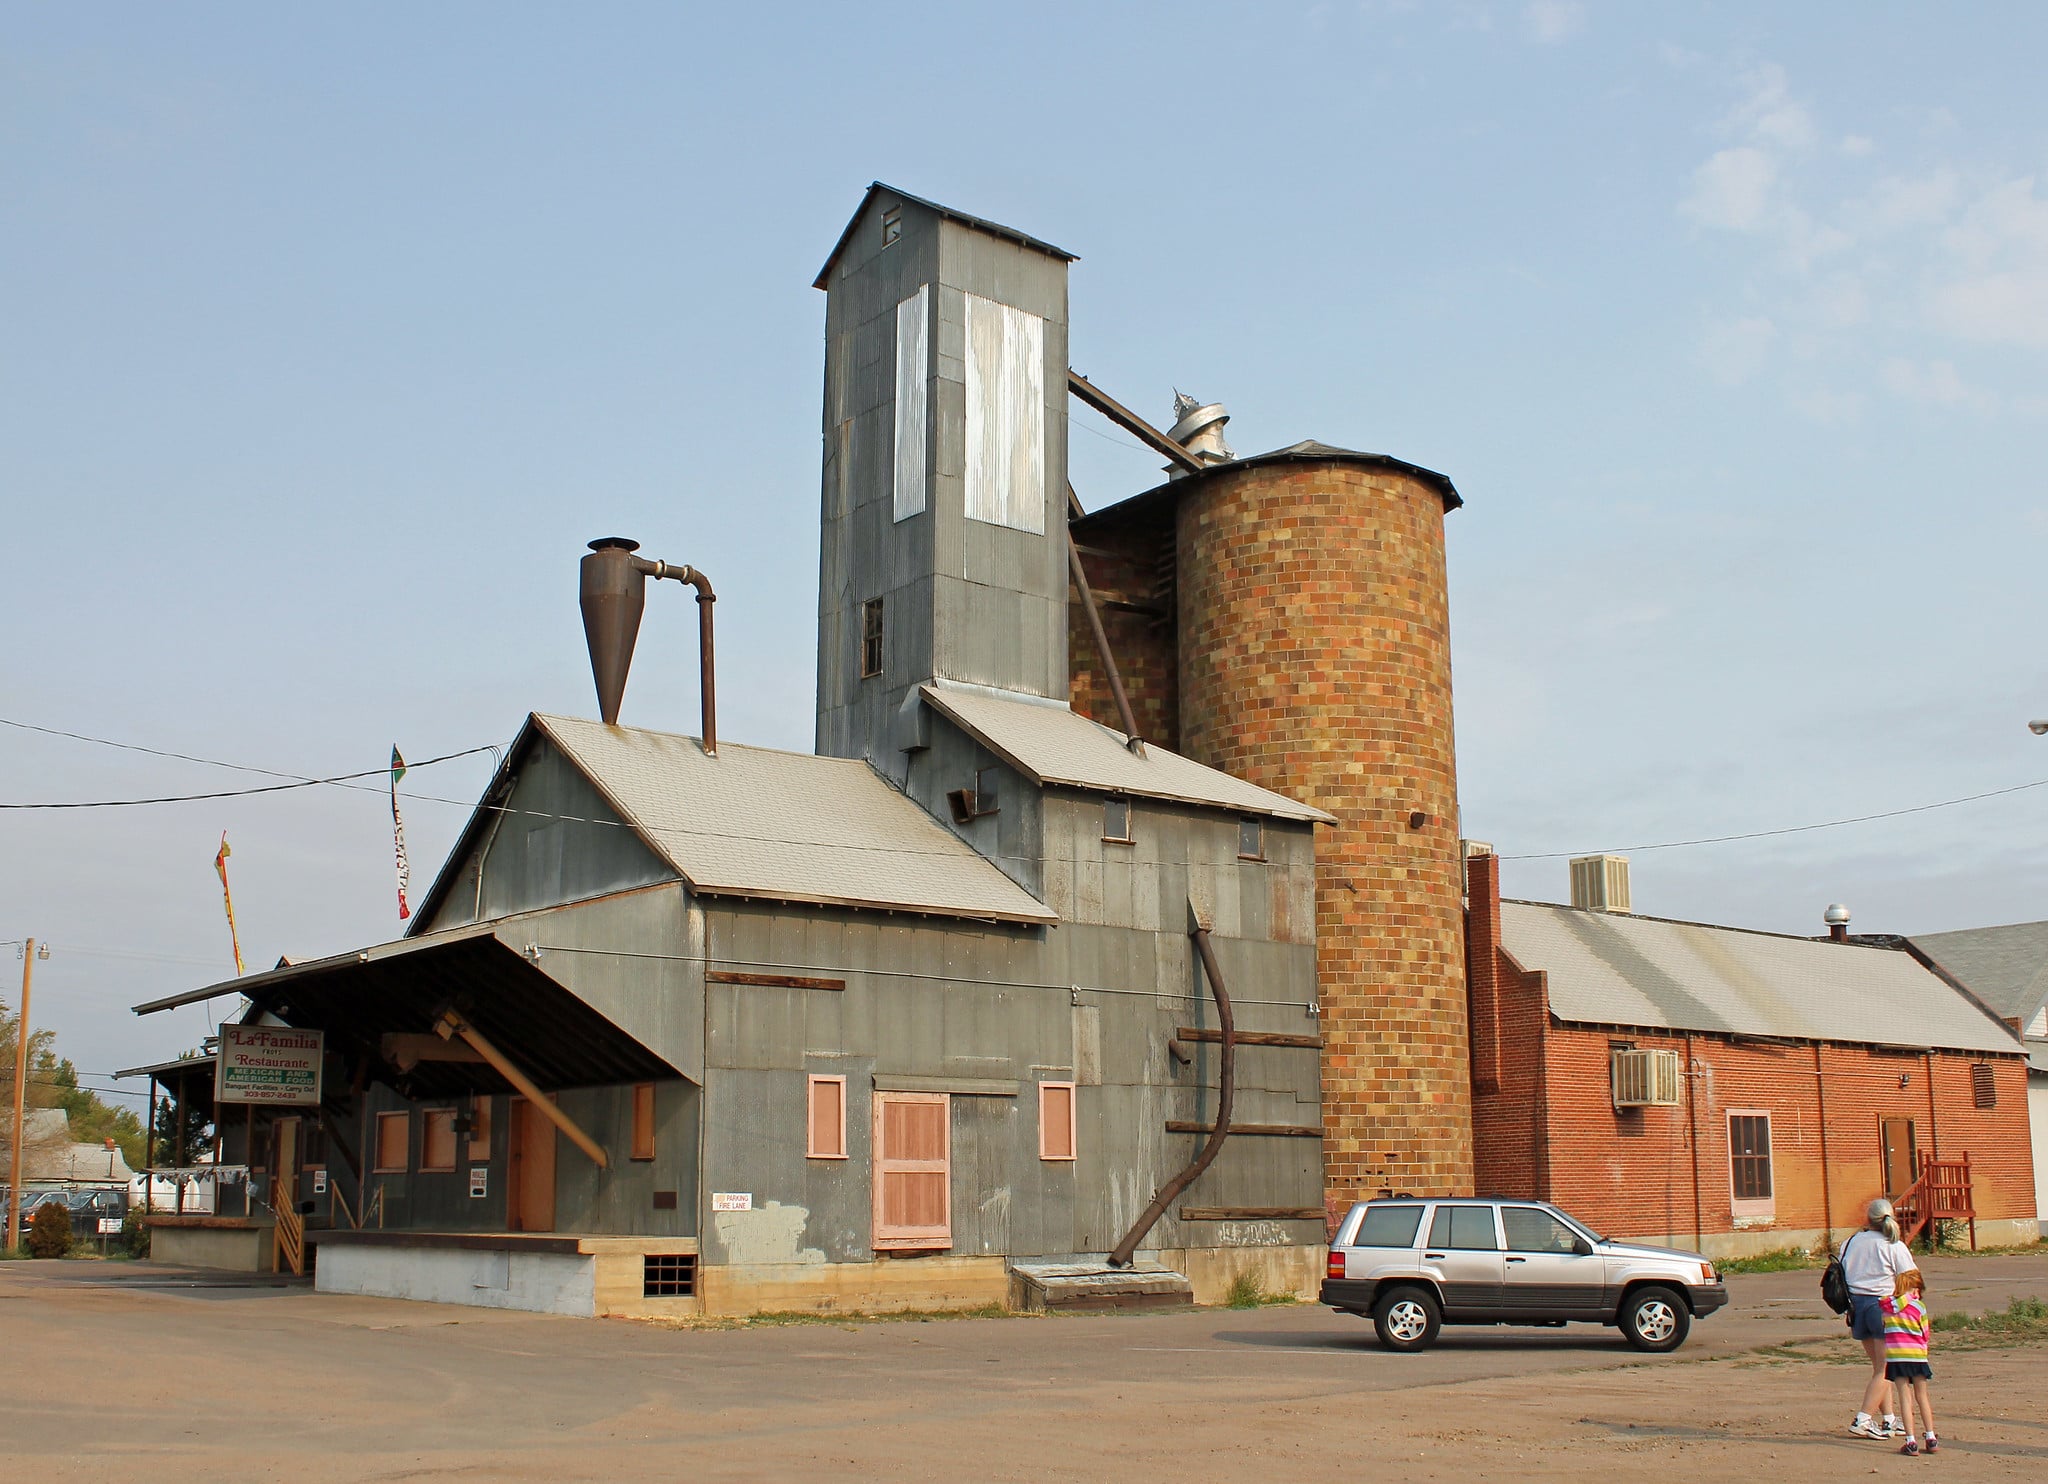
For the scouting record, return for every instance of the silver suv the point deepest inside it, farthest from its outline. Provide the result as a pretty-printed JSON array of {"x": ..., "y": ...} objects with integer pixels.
[{"x": 1417, "y": 1265}]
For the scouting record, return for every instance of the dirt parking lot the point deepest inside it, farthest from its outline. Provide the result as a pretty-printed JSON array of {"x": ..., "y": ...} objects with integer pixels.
[{"x": 134, "y": 1371}]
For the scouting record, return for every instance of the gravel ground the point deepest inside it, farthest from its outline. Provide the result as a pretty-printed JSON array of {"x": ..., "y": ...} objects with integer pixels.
[{"x": 122, "y": 1370}]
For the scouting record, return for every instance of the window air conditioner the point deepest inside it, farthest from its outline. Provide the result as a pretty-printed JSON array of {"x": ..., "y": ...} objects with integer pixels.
[{"x": 1647, "y": 1079}]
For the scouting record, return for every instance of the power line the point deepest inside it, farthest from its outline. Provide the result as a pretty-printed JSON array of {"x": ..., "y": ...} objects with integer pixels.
[
  {"x": 1791, "y": 829},
  {"x": 237, "y": 793}
]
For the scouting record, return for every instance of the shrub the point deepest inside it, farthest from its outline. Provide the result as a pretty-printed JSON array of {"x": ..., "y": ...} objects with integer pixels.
[
  {"x": 49, "y": 1235},
  {"x": 135, "y": 1232},
  {"x": 1246, "y": 1291}
]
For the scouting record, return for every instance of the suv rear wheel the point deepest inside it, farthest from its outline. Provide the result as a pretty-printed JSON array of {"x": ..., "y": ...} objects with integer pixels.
[
  {"x": 1655, "y": 1319},
  {"x": 1407, "y": 1318}
]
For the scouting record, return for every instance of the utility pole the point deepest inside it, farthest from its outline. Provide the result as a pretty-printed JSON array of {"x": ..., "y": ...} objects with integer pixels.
[{"x": 28, "y": 965}]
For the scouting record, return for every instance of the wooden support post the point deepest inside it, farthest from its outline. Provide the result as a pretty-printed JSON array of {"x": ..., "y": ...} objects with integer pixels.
[{"x": 450, "y": 1025}]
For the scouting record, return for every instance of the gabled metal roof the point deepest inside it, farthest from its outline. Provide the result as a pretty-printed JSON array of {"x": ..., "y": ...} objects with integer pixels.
[
  {"x": 994, "y": 229},
  {"x": 787, "y": 826},
  {"x": 2005, "y": 967},
  {"x": 1049, "y": 742},
  {"x": 1611, "y": 968}
]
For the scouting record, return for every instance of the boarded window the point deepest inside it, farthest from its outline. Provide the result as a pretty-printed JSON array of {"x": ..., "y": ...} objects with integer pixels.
[
  {"x": 1055, "y": 1120},
  {"x": 1251, "y": 840},
  {"x": 479, "y": 1128},
  {"x": 827, "y": 1119},
  {"x": 394, "y": 1143},
  {"x": 437, "y": 1139},
  {"x": 871, "y": 638},
  {"x": 1749, "y": 1162},
  {"x": 1984, "y": 1085},
  {"x": 1116, "y": 819},
  {"x": 913, "y": 372},
  {"x": 913, "y": 1171},
  {"x": 643, "y": 1120},
  {"x": 1005, "y": 415}
]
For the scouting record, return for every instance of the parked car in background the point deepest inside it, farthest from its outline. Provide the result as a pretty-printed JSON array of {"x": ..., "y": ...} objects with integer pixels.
[{"x": 1413, "y": 1266}]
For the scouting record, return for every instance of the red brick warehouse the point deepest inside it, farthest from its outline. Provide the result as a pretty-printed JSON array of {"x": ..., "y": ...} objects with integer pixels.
[{"x": 1732, "y": 1091}]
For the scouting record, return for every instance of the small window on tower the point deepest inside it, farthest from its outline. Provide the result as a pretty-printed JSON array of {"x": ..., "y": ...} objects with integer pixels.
[
  {"x": 892, "y": 225},
  {"x": 1251, "y": 840},
  {"x": 1116, "y": 820},
  {"x": 871, "y": 638},
  {"x": 987, "y": 790}
]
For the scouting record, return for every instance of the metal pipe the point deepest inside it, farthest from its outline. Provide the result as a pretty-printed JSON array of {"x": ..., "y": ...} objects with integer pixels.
[
  {"x": 1226, "y": 1089},
  {"x": 1116, "y": 681},
  {"x": 707, "y": 657}
]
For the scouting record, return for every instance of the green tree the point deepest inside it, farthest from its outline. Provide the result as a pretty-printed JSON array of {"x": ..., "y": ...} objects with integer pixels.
[{"x": 53, "y": 1083}]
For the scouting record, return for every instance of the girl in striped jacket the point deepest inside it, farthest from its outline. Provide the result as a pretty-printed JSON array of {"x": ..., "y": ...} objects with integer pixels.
[{"x": 1906, "y": 1332}]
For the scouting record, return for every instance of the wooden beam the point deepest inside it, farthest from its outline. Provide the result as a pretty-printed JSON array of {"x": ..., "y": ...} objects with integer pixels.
[
  {"x": 771, "y": 981},
  {"x": 1130, "y": 422},
  {"x": 1252, "y": 1213},
  {"x": 1271, "y": 1130},
  {"x": 1251, "y": 1038},
  {"x": 451, "y": 1025},
  {"x": 407, "y": 1049}
]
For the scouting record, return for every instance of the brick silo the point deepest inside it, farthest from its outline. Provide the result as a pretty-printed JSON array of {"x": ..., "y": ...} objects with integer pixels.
[{"x": 1310, "y": 623}]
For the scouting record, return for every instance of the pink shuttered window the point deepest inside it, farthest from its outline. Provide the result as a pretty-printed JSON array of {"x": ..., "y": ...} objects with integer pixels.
[
  {"x": 913, "y": 1170},
  {"x": 827, "y": 1118},
  {"x": 1055, "y": 1120}
]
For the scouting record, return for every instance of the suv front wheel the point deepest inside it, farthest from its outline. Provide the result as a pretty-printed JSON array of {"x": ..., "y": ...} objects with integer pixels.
[
  {"x": 1407, "y": 1318},
  {"x": 1655, "y": 1319}
]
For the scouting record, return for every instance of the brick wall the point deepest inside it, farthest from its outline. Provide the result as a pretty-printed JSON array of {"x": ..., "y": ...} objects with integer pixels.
[
  {"x": 1314, "y": 658},
  {"x": 1552, "y": 1130},
  {"x": 1130, "y": 570}
]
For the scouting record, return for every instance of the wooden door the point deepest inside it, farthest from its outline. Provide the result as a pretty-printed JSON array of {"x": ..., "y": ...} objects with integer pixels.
[
  {"x": 1901, "y": 1160},
  {"x": 530, "y": 1193},
  {"x": 284, "y": 1163},
  {"x": 913, "y": 1171}
]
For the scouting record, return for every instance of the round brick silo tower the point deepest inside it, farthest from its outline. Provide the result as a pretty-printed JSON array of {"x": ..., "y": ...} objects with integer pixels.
[{"x": 1314, "y": 659}]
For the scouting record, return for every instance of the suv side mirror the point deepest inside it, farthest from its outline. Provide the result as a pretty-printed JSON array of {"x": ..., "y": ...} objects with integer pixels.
[{"x": 1581, "y": 1247}]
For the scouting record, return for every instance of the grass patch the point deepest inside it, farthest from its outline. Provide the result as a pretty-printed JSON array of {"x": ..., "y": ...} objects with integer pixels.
[
  {"x": 2024, "y": 1321},
  {"x": 1248, "y": 1291},
  {"x": 1779, "y": 1260}
]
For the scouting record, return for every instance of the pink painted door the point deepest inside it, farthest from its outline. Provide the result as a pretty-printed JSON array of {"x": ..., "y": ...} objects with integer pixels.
[{"x": 913, "y": 1171}]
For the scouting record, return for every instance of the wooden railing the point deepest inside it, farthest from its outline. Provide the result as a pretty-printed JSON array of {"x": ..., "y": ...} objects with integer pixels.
[
  {"x": 1942, "y": 1193},
  {"x": 290, "y": 1240}
]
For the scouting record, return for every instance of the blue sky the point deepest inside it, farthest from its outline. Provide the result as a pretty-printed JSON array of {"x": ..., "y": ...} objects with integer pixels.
[{"x": 331, "y": 336}]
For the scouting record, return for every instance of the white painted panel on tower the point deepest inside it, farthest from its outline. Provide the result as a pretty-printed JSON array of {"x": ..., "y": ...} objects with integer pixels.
[
  {"x": 1005, "y": 415},
  {"x": 913, "y": 375}
]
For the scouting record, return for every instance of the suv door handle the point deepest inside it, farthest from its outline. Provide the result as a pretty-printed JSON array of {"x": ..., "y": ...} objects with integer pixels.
[
  {"x": 1518, "y": 1259},
  {"x": 1433, "y": 1256}
]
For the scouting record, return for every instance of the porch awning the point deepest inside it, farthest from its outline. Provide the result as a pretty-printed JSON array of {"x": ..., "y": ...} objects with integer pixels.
[{"x": 550, "y": 1033}]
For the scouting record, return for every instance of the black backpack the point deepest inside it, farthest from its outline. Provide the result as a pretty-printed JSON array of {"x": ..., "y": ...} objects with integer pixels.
[{"x": 1834, "y": 1283}]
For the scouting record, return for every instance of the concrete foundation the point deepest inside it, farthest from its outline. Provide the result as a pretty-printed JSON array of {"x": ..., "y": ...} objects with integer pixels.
[{"x": 224, "y": 1242}]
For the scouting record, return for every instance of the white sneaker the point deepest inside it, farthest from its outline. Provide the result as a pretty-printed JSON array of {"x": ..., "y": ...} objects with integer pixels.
[
  {"x": 1893, "y": 1428},
  {"x": 1863, "y": 1427}
]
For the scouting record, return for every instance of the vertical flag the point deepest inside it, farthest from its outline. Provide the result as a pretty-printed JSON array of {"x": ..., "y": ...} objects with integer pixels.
[
  {"x": 398, "y": 836},
  {"x": 220, "y": 864}
]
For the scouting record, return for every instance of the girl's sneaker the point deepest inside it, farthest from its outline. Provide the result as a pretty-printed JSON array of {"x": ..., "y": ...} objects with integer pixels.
[
  {"x": 1931, "y": 1444},
  {"x": 1910, "y": 1448}
]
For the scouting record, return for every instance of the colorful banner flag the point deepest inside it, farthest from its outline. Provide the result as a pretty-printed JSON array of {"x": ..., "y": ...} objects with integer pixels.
[
  {"x": 220, "y": 864},
  {"x": 398, "y": 836}
]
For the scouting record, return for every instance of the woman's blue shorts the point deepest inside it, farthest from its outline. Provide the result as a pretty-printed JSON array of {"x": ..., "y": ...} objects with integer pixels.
[{"x": 1866, "y": 1317}]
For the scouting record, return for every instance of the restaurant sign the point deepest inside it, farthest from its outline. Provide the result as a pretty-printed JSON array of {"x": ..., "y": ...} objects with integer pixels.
[{"x": 268, "y": 1064}]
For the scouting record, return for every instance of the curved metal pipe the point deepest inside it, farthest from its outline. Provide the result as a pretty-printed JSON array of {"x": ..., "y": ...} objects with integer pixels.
[
  {"x": 707, "y": 662},
  {"x": 1226, "y": 1089}
]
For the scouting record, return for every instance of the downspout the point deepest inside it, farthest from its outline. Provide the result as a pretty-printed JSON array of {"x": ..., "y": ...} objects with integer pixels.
[
  {"x": 1692, "y": 1129},
  {"x": 1116, "y": 682},
  {"x": 1226, "y": 1088},
  {"x": 1933, "y": 1128},
  {"x": 1827, "y": 1204}
]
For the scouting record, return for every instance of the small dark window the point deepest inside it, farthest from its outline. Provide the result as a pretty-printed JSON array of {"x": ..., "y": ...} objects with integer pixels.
[
  {"x": 1116, "y": 819},
  {"x": 668, "y": 1275},
  {"x": 987, "y": 790},
  {"x": 1251, "y": 840},
  {"x": 1749, "y": 1156},
  {"x": 1984, "y": 1085},
  {"x": 892, "y": 225},
  {"x": 871, "y": 638},
  {"x": 1464, "y": 1228},
  {"x": 1388, "y": 1226}
]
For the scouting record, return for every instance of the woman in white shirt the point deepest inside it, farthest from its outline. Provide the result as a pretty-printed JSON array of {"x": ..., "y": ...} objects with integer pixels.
[{"x": 1871, "y": 1261}]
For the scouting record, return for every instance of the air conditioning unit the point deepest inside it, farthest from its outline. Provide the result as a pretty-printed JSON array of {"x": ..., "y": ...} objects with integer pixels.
[
  {"x": 1647, "y": 1079},
  {"x": 1600, "y": 883}
]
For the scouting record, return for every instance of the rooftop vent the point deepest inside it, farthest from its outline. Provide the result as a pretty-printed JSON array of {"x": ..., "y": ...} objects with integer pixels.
[
  {"x": 1600, "y": 883},
  {"x": 1837, "y": 919},
  {"x": 1198, "y": 427}
]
